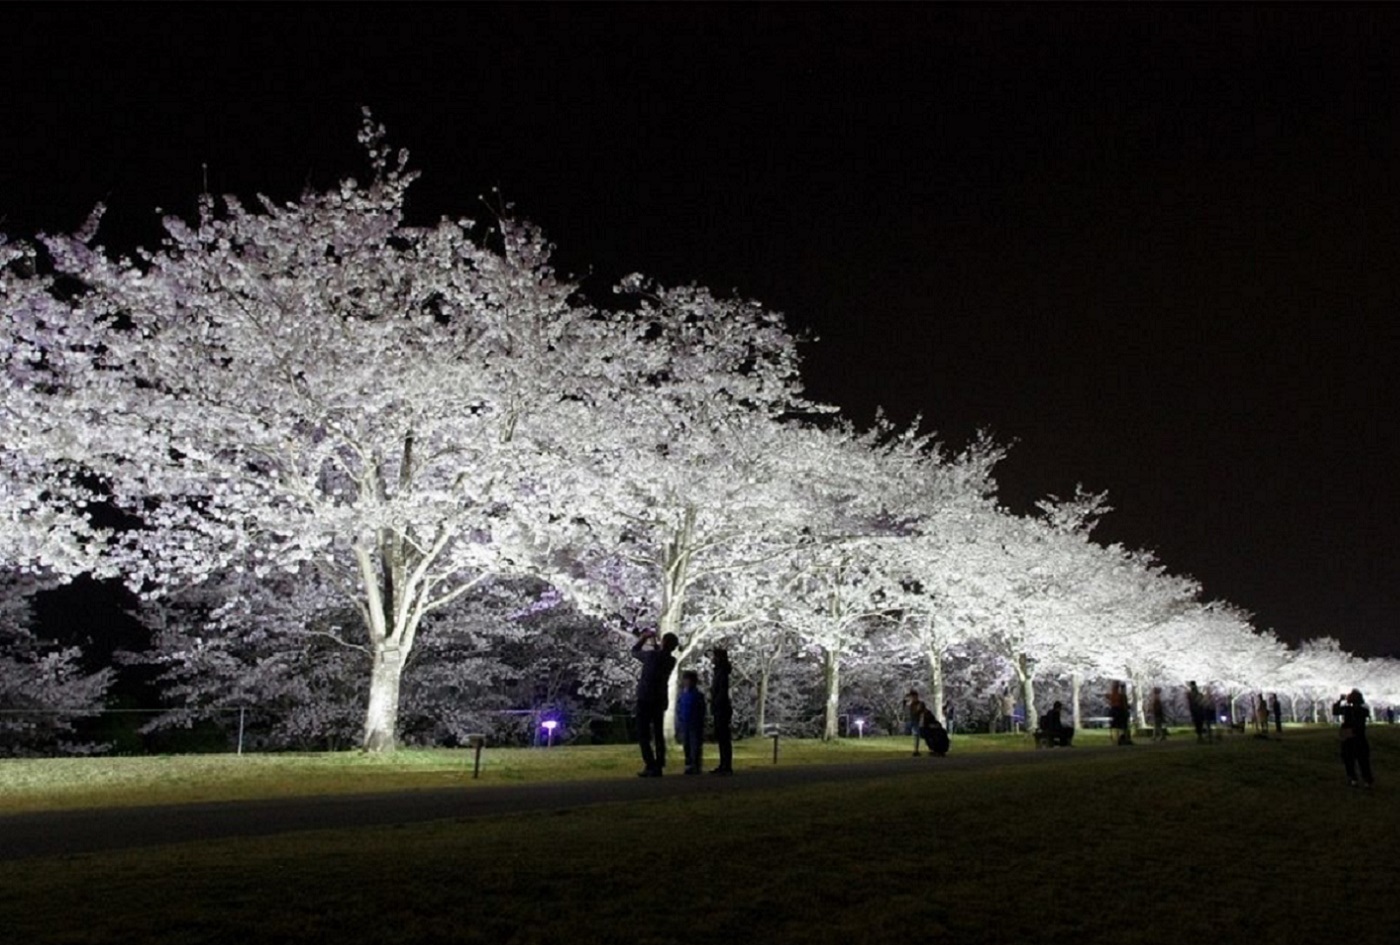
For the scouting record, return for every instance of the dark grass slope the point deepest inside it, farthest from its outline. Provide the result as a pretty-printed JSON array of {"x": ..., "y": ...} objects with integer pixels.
[{"x": 1246, "y": 841}]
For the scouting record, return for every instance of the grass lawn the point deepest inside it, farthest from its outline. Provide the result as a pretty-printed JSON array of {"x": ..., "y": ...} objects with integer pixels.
[
  {"x": 67, "y": 783},
  {"x": 1246, "y": 841}
]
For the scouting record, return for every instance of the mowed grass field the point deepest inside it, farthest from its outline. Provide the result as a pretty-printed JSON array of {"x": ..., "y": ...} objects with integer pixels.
[
  {"x": 1245, "y": 841},
  {"x": 70, "y": 783}
]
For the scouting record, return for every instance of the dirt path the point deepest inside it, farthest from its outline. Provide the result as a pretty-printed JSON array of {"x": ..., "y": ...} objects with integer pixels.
[{"x": 63, "y": 833}]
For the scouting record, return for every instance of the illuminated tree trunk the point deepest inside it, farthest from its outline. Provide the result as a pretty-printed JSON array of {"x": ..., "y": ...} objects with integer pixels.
[
  {"x": 1138, "y": 708},
  {"x": 1024, "y": 676},
  {"x": 675, "y": 580},
  {"x": 1075, "y": 684},
  {"x": 382, "y": 716},
  {"x": 935, "y": 682},
  {"x": 391, "y": 575},
  {"x": 831, "y": 674}
]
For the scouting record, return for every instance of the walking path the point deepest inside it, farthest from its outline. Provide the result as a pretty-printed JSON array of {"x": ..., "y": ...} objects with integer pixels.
[{"x": 65, "y": 833}]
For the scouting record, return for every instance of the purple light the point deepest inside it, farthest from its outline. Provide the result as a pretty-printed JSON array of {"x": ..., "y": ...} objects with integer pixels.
[{"x": 550, "y": 724}]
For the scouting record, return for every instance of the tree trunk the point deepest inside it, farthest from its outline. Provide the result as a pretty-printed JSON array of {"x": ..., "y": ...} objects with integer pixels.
[
  {"x": 1023, "y": 674},
  {"x": 382, "y": 715},
  {"x": 675, "y": 580},
  {"x": 1075, "y": 684},
  {"x": 761, "y": 713},
  {"x": 935, "y": 683},
  {"x": 831, "y": 672},
  {"x": 1138, "y": 708}
]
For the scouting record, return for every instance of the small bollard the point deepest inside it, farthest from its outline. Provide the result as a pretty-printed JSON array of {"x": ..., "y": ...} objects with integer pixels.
[
  {"x": 771, "y": 730},
  {"x": 476, "y": 742}
]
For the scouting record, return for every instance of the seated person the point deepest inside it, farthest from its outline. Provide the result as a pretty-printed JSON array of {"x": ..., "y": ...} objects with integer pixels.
[
  {"x": 1056, "y": 731},
  {"x": 933, "y": 733}
]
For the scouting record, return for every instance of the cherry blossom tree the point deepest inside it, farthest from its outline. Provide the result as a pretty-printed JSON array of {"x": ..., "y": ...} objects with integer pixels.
[
  {"x": 46, "y": 497},
  {"x": 319, "y": 385},
  {"x": 43, "y": 687},
  {"x": 286, "y": 649}
]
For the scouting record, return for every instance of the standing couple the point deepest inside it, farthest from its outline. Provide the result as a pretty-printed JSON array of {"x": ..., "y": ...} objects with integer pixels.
[{"x": 652, "y": 697}]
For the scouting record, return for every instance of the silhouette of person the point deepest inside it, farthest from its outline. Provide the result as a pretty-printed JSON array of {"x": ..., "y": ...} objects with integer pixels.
[
  {"x": 1054, "y": 726},
  {"x": 1118, "y": 713},
  {"x": 1196, "y": 703},
  {"x": 933, "y": 733},
  {"x": 722, "y": 710},
  {"x": 915, "y": 708},
  {"x": 657, "y": 663},
  {"x": 1356, "y": 750},
  {"x": 1277, "y": 713}
]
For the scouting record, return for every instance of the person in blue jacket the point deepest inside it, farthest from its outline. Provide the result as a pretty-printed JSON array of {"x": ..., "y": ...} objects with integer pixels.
[{"x": 690, "y": 720}]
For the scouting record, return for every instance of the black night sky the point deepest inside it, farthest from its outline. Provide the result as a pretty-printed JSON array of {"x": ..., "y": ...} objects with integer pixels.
[{"x": 1154, "y": 246}]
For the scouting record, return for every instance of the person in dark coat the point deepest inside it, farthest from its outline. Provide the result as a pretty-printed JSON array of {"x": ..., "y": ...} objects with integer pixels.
[
  {"x": 1052, "y": 723},
  {"x": 1118, "y": 713},
  {"x": 1356, "y": 750},
  {"x": 657, "y": 663},
  {"x": 690, "y": 720},
  {"x": 722, "y": 710},
  {"x": 1196, "y": 703},
  {"x": 1277, "y": 713},
  {"x": 933, "y": 733}
]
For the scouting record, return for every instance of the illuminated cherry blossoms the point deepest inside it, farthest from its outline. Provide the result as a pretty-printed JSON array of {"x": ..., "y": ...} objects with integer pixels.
[{"x": 321, "y": 420}]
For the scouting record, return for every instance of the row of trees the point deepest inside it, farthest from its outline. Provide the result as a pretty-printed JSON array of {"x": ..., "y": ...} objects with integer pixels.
[{"x": 313, "y": 427}]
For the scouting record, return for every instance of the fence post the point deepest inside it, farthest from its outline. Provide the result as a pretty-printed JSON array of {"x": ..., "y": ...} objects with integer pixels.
[
  {"x": 241, "y": 710},
  {"x": 476, "y": 742}
]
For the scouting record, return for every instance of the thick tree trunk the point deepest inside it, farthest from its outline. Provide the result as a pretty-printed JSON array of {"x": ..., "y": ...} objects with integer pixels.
[
  {"x": 1075, "y": 684},
  {"x": 831, "y": 672},
  {"x": 675, "y": 580},
  {"x": 1023, "y": 675},
  {"x": 1138, "y": 708},
  {"x": 382, "y": 715},
  {"x": 935, "y": 684}
]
